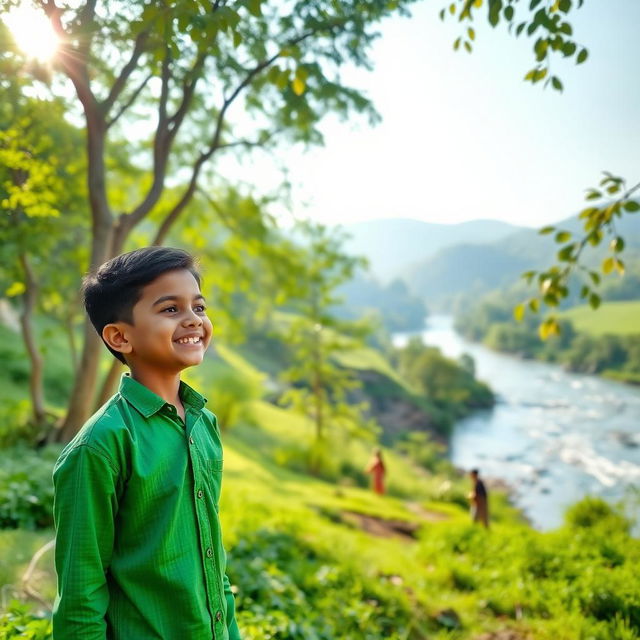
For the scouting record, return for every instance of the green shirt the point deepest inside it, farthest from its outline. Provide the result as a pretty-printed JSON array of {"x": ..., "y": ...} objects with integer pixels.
[{"x": 139, "y": 552}]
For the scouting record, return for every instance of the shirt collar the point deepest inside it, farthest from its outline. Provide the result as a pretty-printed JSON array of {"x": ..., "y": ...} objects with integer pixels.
[{"x": 148, "y": 403}]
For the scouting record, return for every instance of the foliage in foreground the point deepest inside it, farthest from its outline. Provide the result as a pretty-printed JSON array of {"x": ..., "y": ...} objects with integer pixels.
[
  {"x": 19, "y": 622},
  {"x": 293, "y": 582},
  {"x": 26, "y": 488}
]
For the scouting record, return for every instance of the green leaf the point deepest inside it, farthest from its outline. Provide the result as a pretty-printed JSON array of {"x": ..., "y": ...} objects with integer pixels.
[
  {"x": 546, "y": 230},
  {"x": 518, "y": 312},
  {"x": 555, "y": 81},
  {"x": 593, "y": 195},
  {"x": 564, "y": 6},
  {"x": 508, "y": 13},
  {"x": 568, "y": 49},
  {"x": 595, "y": 277},
  {"x": 254, "y": 7},
  {"x": 563, "y": 236},
  {"x": 584, "y": 292},
  {"x": 566, "y": 253},
  {"x": 582, "y": 56},
  {"x": 456, "y": 44},
  {"x": 631, "y": 206},
  {"x": 594, "y": 300},
  {"x": 534, "y": 305},
  {"x": 467, "y": 46},
  {"x": 565, "y": 28},
  {"x": 617, "y": 244},
  {"x": 472, "y": 33},
  {"x": 495, "y": 6}
]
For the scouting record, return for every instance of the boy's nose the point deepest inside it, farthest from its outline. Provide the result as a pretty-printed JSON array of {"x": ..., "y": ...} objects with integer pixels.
[{"x": 192, "y": 320}]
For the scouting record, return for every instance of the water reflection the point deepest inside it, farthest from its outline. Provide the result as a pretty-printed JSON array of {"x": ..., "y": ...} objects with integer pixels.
[{"x": 554, "y": 436}]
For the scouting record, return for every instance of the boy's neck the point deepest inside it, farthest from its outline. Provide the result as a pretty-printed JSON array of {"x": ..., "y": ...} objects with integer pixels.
[{"x": 165, "y": 385}]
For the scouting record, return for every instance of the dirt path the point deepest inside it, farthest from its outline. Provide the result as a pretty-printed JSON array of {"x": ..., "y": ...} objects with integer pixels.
[
  {"x": 425, "y": 514},
  {"x": 392, "y": 527}
]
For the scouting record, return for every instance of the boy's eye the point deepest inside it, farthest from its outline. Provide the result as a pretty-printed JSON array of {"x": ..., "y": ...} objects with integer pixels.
[
  {"x": 199, "y": 308},
  {"x": 171, "y": 308}
]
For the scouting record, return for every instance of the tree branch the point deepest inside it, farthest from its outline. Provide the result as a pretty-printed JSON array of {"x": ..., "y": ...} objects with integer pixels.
[
  {"x": 129, "y": 102},
  {"x": 126, "y": 72}
]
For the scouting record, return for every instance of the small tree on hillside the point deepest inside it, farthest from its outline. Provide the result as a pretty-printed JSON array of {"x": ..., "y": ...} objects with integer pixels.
[{"x": 316, "y": 338}]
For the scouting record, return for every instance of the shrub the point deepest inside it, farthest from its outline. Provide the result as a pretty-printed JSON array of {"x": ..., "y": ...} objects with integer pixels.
[
  {"x": 19, "y": 622},
  {"x": 290, "y": 591},
  {"x": 593, "y": 512},
  {"x": 26, "y": 487}
]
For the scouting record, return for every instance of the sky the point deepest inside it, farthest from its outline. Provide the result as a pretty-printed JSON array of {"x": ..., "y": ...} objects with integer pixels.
[{"x": 464, "y": 137}]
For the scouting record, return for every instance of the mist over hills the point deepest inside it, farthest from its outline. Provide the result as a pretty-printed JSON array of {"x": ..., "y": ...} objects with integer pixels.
[
  {"x": 394, "y": 245},
  {"x": 442, "y": 264},
  {"x": 466, "y": 269}
]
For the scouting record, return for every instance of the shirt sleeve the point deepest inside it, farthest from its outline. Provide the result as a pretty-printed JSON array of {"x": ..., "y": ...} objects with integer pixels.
[
  {"x": 232, "y": 625},
  {"x": 85, "y": 507}
]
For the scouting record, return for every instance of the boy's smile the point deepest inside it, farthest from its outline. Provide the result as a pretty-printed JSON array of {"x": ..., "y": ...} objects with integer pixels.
[{"x": 170, "y": 330}]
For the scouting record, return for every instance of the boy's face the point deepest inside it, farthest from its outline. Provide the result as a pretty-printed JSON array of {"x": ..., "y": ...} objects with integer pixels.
[{"x": 170, "y": 330}]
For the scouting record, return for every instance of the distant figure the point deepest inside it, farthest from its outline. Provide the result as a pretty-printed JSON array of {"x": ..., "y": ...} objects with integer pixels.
[
  {"x": 376, "y": 469},
  {"x": 479, "y": 499}
]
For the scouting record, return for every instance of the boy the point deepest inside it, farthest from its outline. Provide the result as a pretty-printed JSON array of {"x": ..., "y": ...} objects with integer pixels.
[{"x": 139, "y": 553}]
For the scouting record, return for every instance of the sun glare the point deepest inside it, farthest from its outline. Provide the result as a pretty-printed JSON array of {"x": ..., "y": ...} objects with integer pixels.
[{"x": 32, "y": 32}]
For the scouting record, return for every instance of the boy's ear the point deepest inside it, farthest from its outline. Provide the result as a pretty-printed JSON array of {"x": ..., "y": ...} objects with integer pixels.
[{"x": 113, "y": 334}]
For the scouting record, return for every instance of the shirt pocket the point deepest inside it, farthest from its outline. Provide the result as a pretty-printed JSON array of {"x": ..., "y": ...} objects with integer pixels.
[{"x": 213, "y": 472}]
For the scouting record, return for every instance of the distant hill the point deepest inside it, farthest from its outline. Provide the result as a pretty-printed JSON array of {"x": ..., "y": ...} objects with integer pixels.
[
  {"x": 394, "y": 245},
  {"x": 475, "y": 269}
]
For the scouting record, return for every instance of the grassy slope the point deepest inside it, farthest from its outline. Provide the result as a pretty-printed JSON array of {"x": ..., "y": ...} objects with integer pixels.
[
  {"x": 510, "y": 577},
  {"x": 618, "y": 318}
]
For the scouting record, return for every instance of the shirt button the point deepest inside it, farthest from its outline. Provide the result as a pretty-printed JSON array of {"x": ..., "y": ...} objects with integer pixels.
[
  {"x": 219, "y": 616},
  {"x": 200, "y": 493},
  {"x": 209, "y": 553},
  {"x": 190, "y": 440}
]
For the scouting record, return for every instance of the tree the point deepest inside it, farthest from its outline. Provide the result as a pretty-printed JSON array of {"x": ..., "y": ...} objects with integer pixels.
[
  {"x": 40, "y": 222},
  {"x": 189, "y": 63},
  {"x": 316, "y": 337}
]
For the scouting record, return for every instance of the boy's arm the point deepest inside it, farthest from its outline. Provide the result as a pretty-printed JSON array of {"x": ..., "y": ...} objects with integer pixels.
[
  {"x": 232, "y": 625},
  {"x": 85, "y": 507}
]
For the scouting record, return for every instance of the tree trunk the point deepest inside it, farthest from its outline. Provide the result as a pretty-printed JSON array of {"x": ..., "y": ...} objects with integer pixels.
[
  {"x": 109, "y": 383},
  {"x": 35, "y": 358},
  {"x": 317, "y": 383},
  {"x": 81, "y": 400},
  {"x": 73, "y": 347}
]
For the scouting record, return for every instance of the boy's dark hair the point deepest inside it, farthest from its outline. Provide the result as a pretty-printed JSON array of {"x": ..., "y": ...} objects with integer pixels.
[{"x": 112, "y": 291}]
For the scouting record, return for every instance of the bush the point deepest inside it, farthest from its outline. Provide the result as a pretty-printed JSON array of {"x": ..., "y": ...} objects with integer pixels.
[
  {"x": 26, "y": 487},
  {"x": 19, "y": 622},
  {"x": 290, "y": 591},
  {"x": 593, "y": 512}
]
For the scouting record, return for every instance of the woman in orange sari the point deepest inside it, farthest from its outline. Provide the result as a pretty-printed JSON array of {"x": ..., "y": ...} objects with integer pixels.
[{"x": 377, "y": 470}]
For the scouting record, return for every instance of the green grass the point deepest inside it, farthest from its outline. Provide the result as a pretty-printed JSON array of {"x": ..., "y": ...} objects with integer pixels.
[
  {"x": 617, "y": 318},
  {"x": 292, "y": 532}
]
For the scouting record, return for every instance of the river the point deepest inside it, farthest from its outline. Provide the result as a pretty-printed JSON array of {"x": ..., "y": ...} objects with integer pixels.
[{"x": 554, "y": 436}]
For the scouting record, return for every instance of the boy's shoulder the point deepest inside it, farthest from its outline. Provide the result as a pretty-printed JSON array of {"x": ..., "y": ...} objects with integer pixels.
[{"x": 105, "y": 431}]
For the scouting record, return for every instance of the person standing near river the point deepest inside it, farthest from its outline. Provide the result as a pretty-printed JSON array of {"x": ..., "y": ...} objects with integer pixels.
[
  {"x": 376, "y": 469},
  {"x": 479, "y": 499}
]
